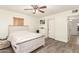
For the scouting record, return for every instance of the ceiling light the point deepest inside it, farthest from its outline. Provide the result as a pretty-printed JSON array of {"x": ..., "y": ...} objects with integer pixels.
[
  {"x": 70, "y": 20},
  {"x": 77, "y": 24}
]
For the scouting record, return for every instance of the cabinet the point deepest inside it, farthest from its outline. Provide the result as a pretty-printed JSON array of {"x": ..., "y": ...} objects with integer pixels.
[{"x": 42, "y": 30}]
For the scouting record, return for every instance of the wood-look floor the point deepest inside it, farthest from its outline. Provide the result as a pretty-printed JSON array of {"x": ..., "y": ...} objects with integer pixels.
[
  {"x": 51, "y": 46},
  {"x": 74, "y": 39},
  {"x": 54, "y": 46}
]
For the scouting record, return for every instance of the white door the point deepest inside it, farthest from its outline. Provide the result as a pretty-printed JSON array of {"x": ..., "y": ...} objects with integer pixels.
[{"x": 52, "y": 28}]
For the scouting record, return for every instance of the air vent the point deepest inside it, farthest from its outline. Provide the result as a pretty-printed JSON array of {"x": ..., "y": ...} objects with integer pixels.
[{"x": 75, "y": 11}]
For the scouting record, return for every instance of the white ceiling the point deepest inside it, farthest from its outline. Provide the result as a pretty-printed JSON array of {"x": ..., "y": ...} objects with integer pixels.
[{"x": 51, "y": 9}]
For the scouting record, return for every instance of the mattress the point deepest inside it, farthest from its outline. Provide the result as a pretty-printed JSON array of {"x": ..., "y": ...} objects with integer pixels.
[{"x": 22, "y": 36}]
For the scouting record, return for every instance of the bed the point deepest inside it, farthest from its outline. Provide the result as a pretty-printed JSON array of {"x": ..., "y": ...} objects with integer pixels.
[{"x": 24, "y": 41}]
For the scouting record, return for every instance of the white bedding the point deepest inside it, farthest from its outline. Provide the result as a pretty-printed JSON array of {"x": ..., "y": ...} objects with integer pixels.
[
  {"x": 22, "y": 36},
  {"x": 24, "y": 41}
]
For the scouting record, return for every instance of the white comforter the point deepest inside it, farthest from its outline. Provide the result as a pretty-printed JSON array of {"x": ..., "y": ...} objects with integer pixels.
[{"x": 21, "y": 36}]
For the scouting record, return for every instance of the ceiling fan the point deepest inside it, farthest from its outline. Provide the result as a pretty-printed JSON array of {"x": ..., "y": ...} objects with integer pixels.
[{"x": 36, "y": 8}]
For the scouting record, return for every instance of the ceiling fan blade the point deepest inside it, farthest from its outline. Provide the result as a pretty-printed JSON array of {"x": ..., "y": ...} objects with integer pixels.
[
  {"x": 43, "y": 7},
  {"x": 28, "y": 9},
  {"x": 41, "y": 11}
]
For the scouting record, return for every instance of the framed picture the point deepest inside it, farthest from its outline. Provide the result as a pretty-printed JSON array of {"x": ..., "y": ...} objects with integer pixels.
[{"x": 42, "y": 21}]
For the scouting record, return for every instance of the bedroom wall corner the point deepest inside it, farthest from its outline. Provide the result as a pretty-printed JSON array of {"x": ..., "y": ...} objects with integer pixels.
[{"x": 6, "y": 18}]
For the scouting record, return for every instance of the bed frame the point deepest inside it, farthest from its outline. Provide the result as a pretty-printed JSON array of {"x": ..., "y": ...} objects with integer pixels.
[{"x": 27, "y": 46}]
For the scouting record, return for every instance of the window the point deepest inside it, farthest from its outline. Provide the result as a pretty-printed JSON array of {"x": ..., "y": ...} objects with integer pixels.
[{"x": 18, "y": 21}]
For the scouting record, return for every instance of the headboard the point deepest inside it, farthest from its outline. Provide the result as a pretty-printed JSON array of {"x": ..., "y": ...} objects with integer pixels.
[{"x": 12, "y": 28}]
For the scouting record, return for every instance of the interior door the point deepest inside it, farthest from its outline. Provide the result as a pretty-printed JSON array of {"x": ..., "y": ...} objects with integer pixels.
[{"x": 52, "y": 28}]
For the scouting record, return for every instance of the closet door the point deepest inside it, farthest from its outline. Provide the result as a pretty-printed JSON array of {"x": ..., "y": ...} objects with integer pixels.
[{"x": 52, "y": 28}]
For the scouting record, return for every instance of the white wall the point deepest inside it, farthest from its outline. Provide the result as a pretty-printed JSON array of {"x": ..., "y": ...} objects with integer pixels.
[
  {"x": 6, "y": 18},
  {"x": 61, "y": 27}
]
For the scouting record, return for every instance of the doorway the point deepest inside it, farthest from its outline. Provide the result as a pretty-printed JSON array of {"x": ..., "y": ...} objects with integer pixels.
[{"x": 73, "y": 29}]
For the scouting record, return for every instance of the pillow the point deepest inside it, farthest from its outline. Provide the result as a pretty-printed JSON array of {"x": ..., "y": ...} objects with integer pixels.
[{"x": 13, "y": 29}]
